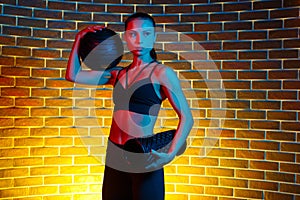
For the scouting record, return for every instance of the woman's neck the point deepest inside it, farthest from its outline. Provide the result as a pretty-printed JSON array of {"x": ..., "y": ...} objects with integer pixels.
[{"x": 140, "y": 61}]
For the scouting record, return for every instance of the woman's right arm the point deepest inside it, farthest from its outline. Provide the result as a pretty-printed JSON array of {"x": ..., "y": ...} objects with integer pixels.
[{"x": 74, "y": 72}]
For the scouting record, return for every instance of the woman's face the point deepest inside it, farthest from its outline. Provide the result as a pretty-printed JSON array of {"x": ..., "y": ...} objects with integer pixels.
[{"x": 140, "y": 36}]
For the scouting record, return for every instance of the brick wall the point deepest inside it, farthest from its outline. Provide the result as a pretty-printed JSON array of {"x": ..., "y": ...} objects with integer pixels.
[{"x": 239, "y": 65}]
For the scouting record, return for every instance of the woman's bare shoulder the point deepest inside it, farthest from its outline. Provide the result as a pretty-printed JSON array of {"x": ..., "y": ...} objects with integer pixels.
[{"x": 162, "y": 71}]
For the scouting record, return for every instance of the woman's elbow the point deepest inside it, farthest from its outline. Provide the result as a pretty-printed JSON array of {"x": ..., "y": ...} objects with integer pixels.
[{"x": 69, "y": 78}]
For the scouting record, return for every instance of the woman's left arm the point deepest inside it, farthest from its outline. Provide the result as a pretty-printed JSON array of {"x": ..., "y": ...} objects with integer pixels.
[{"x": 171, "y": 88}]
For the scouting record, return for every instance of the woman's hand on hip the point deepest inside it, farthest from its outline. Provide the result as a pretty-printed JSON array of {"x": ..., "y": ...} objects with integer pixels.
[{"x": 158, "y": 159}]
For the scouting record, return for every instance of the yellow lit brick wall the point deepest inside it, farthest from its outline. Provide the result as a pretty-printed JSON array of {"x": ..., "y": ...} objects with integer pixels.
[{"x": 245, "y": 98}]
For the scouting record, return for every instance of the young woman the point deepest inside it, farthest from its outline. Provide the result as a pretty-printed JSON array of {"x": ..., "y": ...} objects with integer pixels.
[{"x": 139, "y": 90}]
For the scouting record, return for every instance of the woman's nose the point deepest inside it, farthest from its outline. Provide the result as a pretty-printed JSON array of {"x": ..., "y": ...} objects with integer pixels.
[{"x": 139, "y": 39}]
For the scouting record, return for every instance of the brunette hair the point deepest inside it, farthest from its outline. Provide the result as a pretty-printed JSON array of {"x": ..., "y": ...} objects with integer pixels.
[{"x": 142, "y": 15}]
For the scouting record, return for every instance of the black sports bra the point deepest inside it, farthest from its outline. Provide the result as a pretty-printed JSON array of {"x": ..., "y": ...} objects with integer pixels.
[{"x": 140, "y": 97}]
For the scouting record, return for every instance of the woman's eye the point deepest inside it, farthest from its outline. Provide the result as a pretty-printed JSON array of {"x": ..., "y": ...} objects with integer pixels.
[{"x": 147, "y": 33}]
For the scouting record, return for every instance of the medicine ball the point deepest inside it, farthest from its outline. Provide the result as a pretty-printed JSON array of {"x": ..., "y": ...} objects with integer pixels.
[{"x": 101, "y": 50}]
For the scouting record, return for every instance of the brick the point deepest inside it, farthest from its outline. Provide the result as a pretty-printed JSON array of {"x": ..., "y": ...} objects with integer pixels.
[
  {"x": 30, "y": 121},
  {"x": 57, "y": 180},
  {"x": 266, "y": 85},
  {"x": 251, "y": 94},
  {"x": 216, "y": 26},
  {"x": 60, "y": 24},
  {"x": 27, "y": 162},
  {"x": 191, "y": 170},
  {"x": 238, "y": 26},
  {"x": 253, "y": 174},
  {"x": 255, "y": 54},
  {"x": 266, "y": 65},
  {"x": 291, "y": 147},
  {"x": 206, "y": 7},
  {"x": 16, "y": 51},
  {"x": 223, "y": 17},
  {"x": 5, "y": 81},
  {"x": 10, "y": 30},
  {"x": 292, "y": 126},
  {"x": 52, "y": 14},
  {"x": 58, "y": 160},
  {"x": 6, "y": 142},
  {"x": 30, "y": 62},
  {"x": 222, "y": 191},
  {"x": 27, "y": 142},
  {"x": 251, "y": 114},
  {"x": 287, "y": 167},
  {"x": 291, "y": 84},
  {"x": 6, "y": 101},
  {"x": 248, "y": 193},
  {"x": 120, "y": 9},
  {"x": 254, "y": 15},
  {"x": 45, "y": 73},
  {"x": 236, "y": 104},
  {"x": 29, "y": 102},
  {"x": 291, "y": 3},
  {"x": 104, "y": 1},
  {"x": 223, "y": 36},
  {"x": 80, "y": 16},
  {"x": 226, "y": 65},
  {"x": 208, "y": 46},
  {"x": 263, "y": 185},
  {"x": 30, "y": 42},
  {"x": 178, "y": 9},
  {"x": 44, "y": 112},
  {"x": 276, "y": 195},
  {"x": 191, "y": 189},
  {"x": 106, "y": 18},
  {"x": 234, "y": 163},
  {"x": 14, "y": 172},
  {"x": 291, "y": 105},
  {"x": 45, "y": 53},
  {"x": 73, "y": 170},
  {"x": 43, "y": 151},
  {"x": 43, "y": 190},
  {"x": 6, "y": 60},
  {"x": 291, "y": 33},
  {"x": 289, "y": 23},
  {"x": 150, "y": 9},
  {"x": 265, "y": 125},
  {"x": 8, "y": 20},
  {"x": 179, "y": 28},
  {"x": 264, "y": 165},
  {"x": 252, "y": 35},
  {"x": 283, "y": 54},
  {"x": 205, "y": 161},
  {"x": 29, "y": 82},
  {"x": 264, "y": 145},
  {"x": 280, "y": 135},
  {"x": 250, "y": 154},
  {"x": 8, "y": 40},
  {"x": 277, "y": 115},
  {"x": 33, "y": 3},
  {"x": 279, "y": 176},
  {"x": 14, "y": 192},
  {"x": 28, "y": 181},
  {"x": 204, "y": 180},
  {"x": 220, "y": 172},
  {"x": 293, "y": 43},
  {"x": 41, "y": 92},
  {"x": 14, "y": 132},
  {"x": 44, "y": 132},
  {"x": 46, "y": 33},
  {"x": 282, "y": 95},
  {"x": 194, "y": 18},
  {"x": 280, "y": 156},
  {"x": 270, "y": 44},
  {"x": 237, "y": 6},
  {"x": 6, "y": 122},
  {"x": 59, "y": 102},
  {"x": 222, "y": 74},
  {"x": 236, "y": 45},
  {"x": 14, "y": 10},
  {"x": 266, "y": 5},
  {"x": 62, "y": 5},
  {"x": 58, "y": 141},
  {"x": 44, "y": 170},
  {"x": 252, "y": 134},
  {"x": 28, "y": 22},
  {"x": 221, "y": 152},
  {"x": 6, "y": 183}
]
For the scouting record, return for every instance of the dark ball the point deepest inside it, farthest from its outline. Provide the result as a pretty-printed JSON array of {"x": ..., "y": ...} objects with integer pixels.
[{"x": 101, "y": 50}]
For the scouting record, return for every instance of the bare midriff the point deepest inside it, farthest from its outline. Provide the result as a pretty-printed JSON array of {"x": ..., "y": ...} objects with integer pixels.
[{"x": 127, "y": 125}]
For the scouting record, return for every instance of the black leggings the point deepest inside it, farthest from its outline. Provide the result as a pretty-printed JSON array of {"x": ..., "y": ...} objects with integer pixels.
[{"x": 119, "y": 185}]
